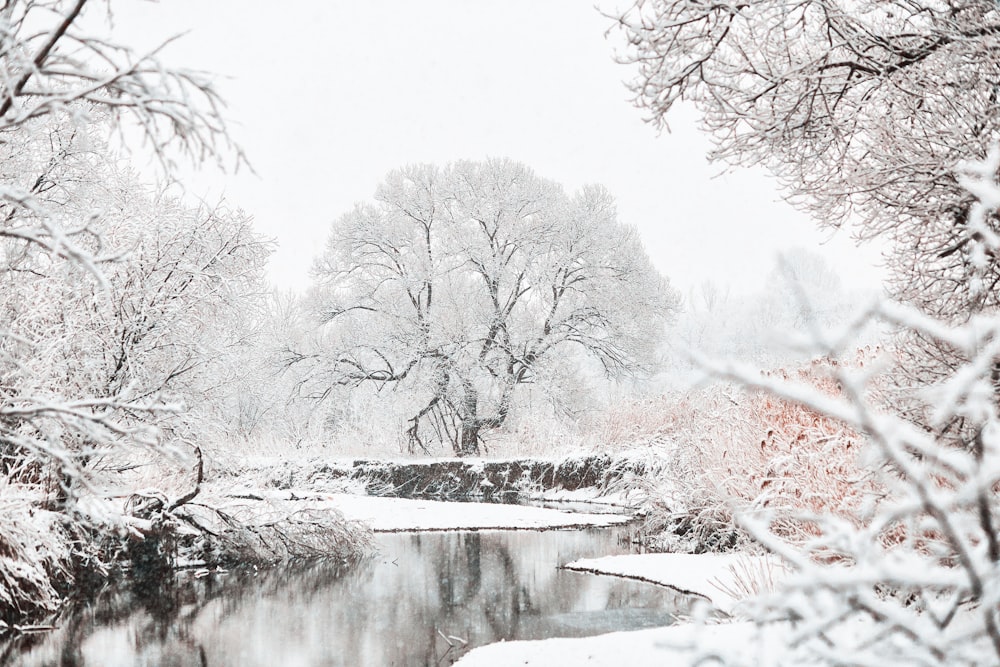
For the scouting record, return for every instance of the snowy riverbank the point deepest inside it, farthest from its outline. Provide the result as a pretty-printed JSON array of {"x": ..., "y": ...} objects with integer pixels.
[
  {"x": 390, "y": 515},
  {"x": 721, "y": 580},
  {"x": 682, "y": 644}
]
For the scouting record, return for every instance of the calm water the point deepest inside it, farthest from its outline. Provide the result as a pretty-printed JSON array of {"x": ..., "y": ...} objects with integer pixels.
[{"x": 405, "y": 606}]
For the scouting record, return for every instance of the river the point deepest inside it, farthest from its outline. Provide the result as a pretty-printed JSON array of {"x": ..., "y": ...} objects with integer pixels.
[{"x": 424, "y": 599}]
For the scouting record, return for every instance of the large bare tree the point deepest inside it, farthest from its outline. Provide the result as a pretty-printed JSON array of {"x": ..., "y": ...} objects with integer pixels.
[{"x": 460, "y": 283}]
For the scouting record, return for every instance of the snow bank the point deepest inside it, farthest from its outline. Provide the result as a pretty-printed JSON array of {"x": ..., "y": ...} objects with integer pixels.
[
  {"x": 723, "y": 579},
  {"x": 674, "y": 645}
]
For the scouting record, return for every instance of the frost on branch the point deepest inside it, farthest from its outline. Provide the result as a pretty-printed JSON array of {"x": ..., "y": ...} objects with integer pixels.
[{"x": 910, "y": 575}]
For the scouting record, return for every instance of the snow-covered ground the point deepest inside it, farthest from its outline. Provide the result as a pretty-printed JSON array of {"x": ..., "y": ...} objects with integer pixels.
[{"x": 682, "y": 644}]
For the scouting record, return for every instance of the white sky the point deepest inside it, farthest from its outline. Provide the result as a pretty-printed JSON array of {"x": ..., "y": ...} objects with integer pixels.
[{"x": 327, "y": 97}]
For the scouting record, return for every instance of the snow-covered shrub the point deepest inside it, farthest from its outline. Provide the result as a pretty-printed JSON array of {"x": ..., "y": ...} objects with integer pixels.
[
  {"x": 909, "y": 574},
  {"x": 630, "y": 422},
  {"x": 786, "y": 456},
  {"x": 718, "y": 449},
  {"x": 32, "y": 554},
  {"x": 255, "y": 533}
]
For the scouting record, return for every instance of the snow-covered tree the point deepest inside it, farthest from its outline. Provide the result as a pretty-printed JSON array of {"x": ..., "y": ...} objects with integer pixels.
[
  {"x": 861, "y": 109},
  {"x": 154, "y": 334},
  {"x": 63, "y": 79},
  {"x": 867, "y": 112},
  {"x": 801, "y": 294},
  {"x": 460, "y": 284},
  {"x": 68, "y": 85}
]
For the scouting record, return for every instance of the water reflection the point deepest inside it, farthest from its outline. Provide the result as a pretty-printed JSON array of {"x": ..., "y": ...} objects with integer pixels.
[{"x": 423, "y": 600}]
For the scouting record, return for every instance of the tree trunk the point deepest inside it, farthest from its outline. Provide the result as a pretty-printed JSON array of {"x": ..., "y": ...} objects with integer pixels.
[
  {"x": 468, "y": 439},
  {"x": 468, "y": 444}
]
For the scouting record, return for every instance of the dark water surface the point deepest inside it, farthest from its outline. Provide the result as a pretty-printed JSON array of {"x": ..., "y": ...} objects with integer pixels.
[{"x": 405, "y": 606}]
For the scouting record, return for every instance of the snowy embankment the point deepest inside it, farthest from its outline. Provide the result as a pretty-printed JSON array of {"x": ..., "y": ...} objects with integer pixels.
[
  {"x": 580, "y": 476},
  {"x": 388, "y": 515},
  {"x": 685, "y": 644}
]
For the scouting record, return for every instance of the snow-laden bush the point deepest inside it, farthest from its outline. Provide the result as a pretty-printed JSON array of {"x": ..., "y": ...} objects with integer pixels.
[
  {"x": 716, "y": 450},
  {"x": 32, "y": 555}
]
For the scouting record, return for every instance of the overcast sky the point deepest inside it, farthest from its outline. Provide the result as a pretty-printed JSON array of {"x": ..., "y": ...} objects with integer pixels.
[{"x": 327, "y": 97}]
